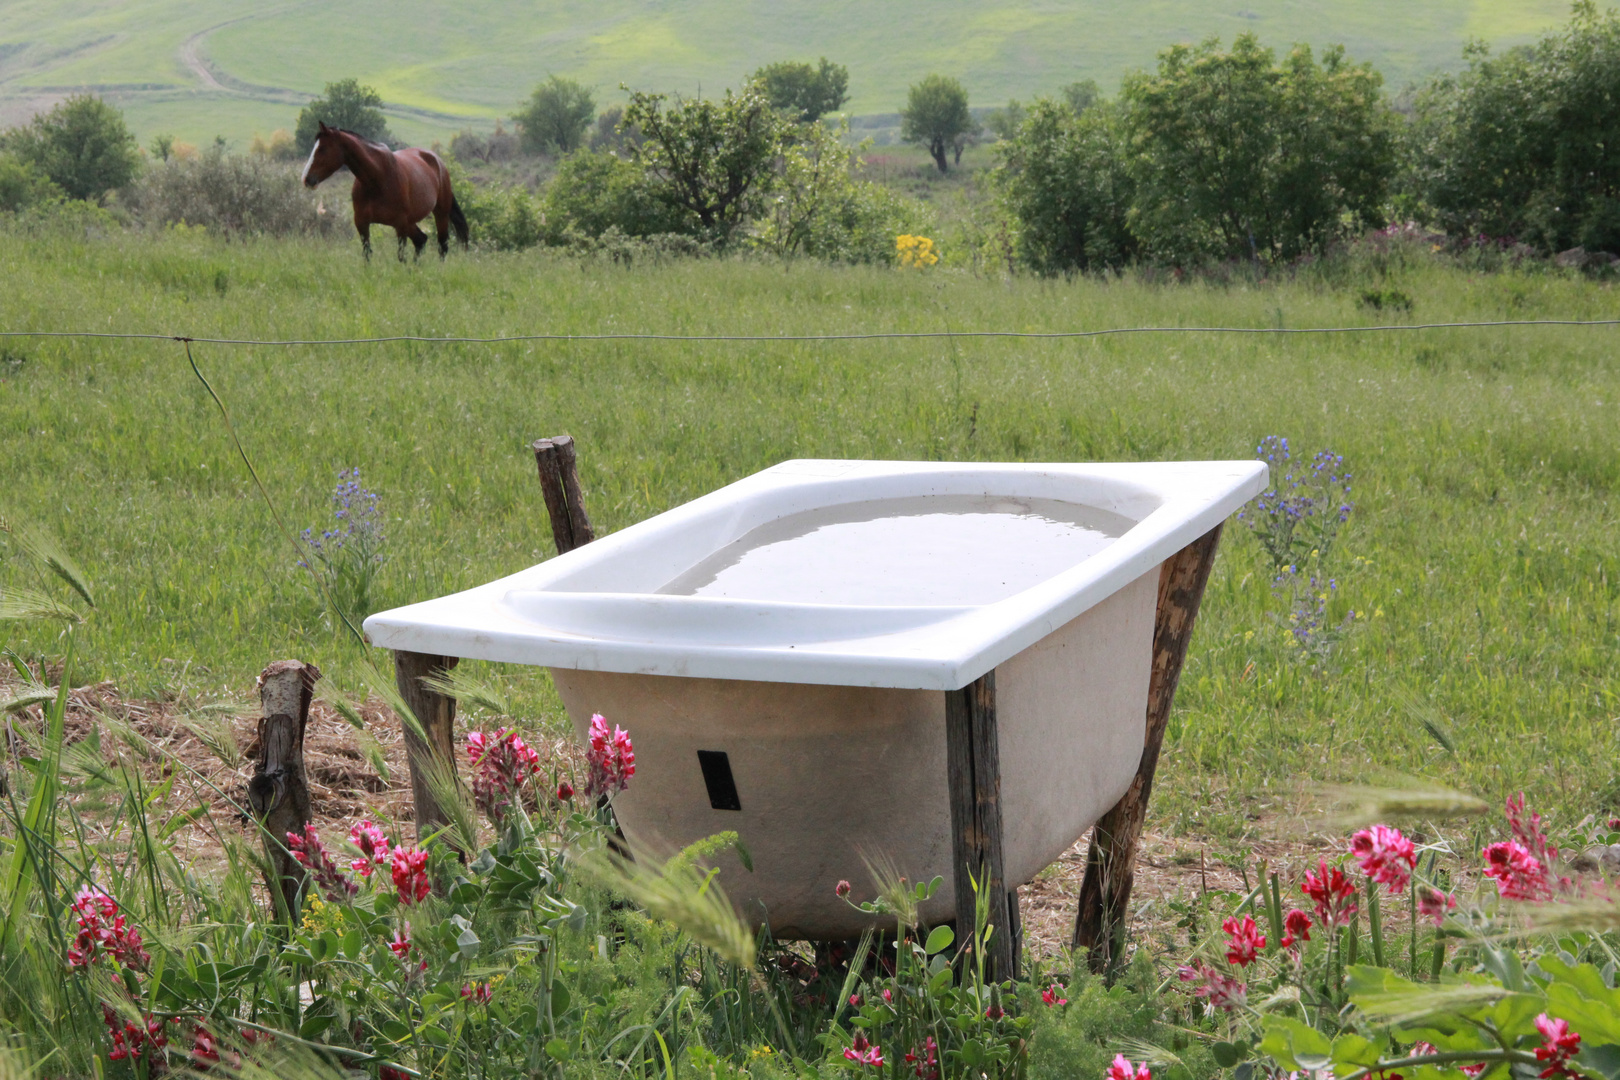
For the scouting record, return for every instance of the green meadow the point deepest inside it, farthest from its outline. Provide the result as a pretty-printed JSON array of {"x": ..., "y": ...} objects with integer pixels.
[
  {"x": 1480, "y": 559},
  {"x": 206, "y": 68}
]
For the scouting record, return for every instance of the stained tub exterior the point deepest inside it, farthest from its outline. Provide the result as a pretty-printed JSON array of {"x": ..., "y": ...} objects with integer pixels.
[{"x": 825, "y": 774}]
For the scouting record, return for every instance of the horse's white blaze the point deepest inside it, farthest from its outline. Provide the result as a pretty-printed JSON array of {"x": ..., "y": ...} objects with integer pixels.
[{"x": 304, "y": 179}]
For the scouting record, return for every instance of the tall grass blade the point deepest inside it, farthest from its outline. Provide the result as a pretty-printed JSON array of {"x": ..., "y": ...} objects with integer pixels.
[
  {"x": 18, "y": 876},
  {"x": 28, "y": 697},
  {"x": 467, "y": 688},
  {"x": 19, "y": 604},
  {"x": 1406, "y": 798},
  {"x": 47, "y": 550},
  {"x": 679, "y": 893},
  {"x": 1429, "y": 717}
]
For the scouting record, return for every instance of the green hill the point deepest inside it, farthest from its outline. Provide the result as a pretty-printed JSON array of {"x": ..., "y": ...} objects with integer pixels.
[{"x": 201, "y": 68}]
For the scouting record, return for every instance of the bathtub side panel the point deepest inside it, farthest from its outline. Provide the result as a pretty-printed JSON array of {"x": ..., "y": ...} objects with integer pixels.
[{"x": 1072, "y": 716}]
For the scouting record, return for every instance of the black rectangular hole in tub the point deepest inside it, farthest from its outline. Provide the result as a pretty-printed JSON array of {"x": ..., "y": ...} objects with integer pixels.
[{"x": 717, "y": 778}]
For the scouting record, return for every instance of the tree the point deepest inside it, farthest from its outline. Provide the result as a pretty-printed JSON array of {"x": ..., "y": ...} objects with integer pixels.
[
  {"x": 82, "y": 145},
  {"x": 22, "y": 185},
  {"x": 935, "y": 116},
  {"x": 555, "y": 119},
  {"x": 803, "y": 92},
  {"x": 1082, "y": 95},
  {"x": 343, "y": 104},
  {"x": 1004, "y": 123},
  {"x": 1063, "y": 179},
  {"x": 712, "y": 158},
  {"x": 1526, "y": 145},
  {"x": 1236, "y": 157}
]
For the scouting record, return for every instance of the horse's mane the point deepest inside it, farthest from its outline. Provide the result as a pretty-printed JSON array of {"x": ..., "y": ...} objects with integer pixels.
[{"x": 369, "y": 142}]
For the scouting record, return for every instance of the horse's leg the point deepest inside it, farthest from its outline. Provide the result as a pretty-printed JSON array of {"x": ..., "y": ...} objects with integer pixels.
[
  {"x": 401, "y": 238},
  {"x": 441, "y": 225},
  {"x": 364, "y": 229},
  {"x": 416, "y": 236}
]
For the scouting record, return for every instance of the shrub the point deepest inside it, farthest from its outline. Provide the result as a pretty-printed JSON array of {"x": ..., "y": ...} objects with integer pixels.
[
  {"x": 507, "y": 218},
  {"x": 82, "y": 145},
  {"x": 1526, "y": 145},
  {"x": 231, "y": 194},
  {"x": 498, "y": 145},
  {"x": 1063, "y": 180},
  {"x": 22, "y": 185},
  {"x": 595, "y": 192},
  {"x": 1236, "y": 157},
  {"x": 279, "y": 147},
  {"x": 556, "y": 116}
]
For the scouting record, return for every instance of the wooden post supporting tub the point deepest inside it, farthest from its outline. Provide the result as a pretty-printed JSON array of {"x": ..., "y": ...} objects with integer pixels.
[
  {"x": 973, "y": 771},
  {"x": 436, "y": 753},
  {"x": 1105, "y": 895}
]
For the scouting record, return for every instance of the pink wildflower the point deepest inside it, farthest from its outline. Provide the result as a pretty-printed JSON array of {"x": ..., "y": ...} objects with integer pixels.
[
  {"x": 565, "y": 791},
  {"x": 854, "y": 1001},
  {"x": 888, "y": 996},
  {"x": 1244, "y": 941},
  {"x": 1049, "y": 996},
  {"x": 502, "y": 764},
  {"x": 478, "y": 994},
  {"x": 1122, "y": 1069},
  {"x": 864, "y": 1053},
  {"x": 130, "y": 1039},
  {"x": 1559, "y": 1044},
  {"x": 373, "y": 847},
  {"x": 1434, "y": 905},
  {"x": 401, "y": 943},
  {"x": 995, "y": 1011},
  {"x": 1473, "y": 1070},
  {"x": 204, "y": 1049},
  {"x": 1297, "y": 927},
  {"x": 1333, "y": 894},
  {"x": 1385, "y": 856},
  {"x": 611, "y": 758},
  {"x": 925, "y": 1060},
  {"x": 103, "y": 931},
  {"x": 410, "y": 875},
  {"x": 334, "y": 884},
  {"x": 842, "y": 888},
  {"x": 1222, "y": 991},
  {"x": 1519, "y": 875}
]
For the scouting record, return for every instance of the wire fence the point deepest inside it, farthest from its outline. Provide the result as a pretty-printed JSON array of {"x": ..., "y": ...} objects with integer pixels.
[{"x": 878, "y": 335}]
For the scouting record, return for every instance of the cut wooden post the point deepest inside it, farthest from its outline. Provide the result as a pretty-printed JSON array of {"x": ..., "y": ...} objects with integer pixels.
[
  {"x": 565, "y": 502},
  {"x": 1105, "y": 895},
  {"x": 279, "y": 791},
  {"x": 436, "y": 713},
  {"x": 973, "y": 769}
]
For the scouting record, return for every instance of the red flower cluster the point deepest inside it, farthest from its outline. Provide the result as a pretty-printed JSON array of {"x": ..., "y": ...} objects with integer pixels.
[
  {"x": 1434, "y": 905},
  {"x": 478, "y": 994},
  {"x": 373, "y": 845},
  {"x": 502, "y": 763},
  {"x": 1122, "y": 1069},
  {"x": 401, "y": 943},
  {"x": 1333, "y": 894},
  {"x": 204, "y": 1049},
  {"x": 611, "y": 758},
  {"x": 1049, "y": 996},
  {"x": 864, "y": 1053},
  {"x": 130, "y": 1039},
  {"x": 925, "y": 1060},
  {"x": 1297, "y": 925},
  {"x": 1222, "y": 991},
  {"x": 1244, "y": 941},
  {"x": 334, "y": 884},
  {"x": 1522, "y": 866},
  {"x": 1559, "y": 1044},
  {"x": 410, "y": 875},
  {"x": 103, "y": 931},
  {"x": 1385, "y": 856}
]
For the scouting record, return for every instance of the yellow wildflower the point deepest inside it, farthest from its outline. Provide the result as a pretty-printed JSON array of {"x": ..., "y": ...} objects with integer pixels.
[{"x": 915, "y": 251}]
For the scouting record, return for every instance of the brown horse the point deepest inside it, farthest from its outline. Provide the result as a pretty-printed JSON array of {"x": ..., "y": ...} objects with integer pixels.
[{"x": 391, "y": 189}]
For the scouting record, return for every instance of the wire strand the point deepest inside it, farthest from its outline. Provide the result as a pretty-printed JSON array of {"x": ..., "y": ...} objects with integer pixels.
[{"x": 882, "y": 335}]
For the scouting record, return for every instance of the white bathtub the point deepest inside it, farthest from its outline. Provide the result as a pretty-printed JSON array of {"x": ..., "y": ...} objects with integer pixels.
[{"x": 777, "y": 650}]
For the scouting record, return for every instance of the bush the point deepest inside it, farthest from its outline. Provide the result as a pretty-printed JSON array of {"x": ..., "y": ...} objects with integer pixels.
[
  {"x": 500, "y": 145},
  {"x": 507, "y": 218},
  {"x": 1526, "y": 146},
  {"x": 595, "y": 192},
  {"x": 232, "y": 195},
  {"x": 82, "y": 145},
  {"x": 279, "y": 147},
  {"x": 22, "y": 185},
  {"x": 1063, "y": 180},
  {"x": 1235, "y": 157}
]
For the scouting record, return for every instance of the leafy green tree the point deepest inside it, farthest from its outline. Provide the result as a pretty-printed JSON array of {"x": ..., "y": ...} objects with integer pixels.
[
  {"x": 597, "y": 191},
  {"x": 82, "y": 145},
  {"x": 936, "y": 116},
  {"x": 1082, "y": 95},
  {"x": 22, "y": 185},
  {"x": 1063, "y": 180},
  {"x": 803, "y": 91},
  {"x": 712, "y": 158},
  {"x": 1527, "y": 144},
  {"x": 343, "y": 104},
  {"x": 556, "y": 117},
  {"x": 1235, "y": 156},
  {"x": 1004, "y": 123}
]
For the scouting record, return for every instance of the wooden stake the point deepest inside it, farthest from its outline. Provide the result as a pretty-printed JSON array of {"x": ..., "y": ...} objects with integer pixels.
[
  {"x": 279, "y": 791},
  {"x": 1105, "y": 895},
  {"x": 973, "y": 767},
  {"x": 437, "y": 714},
  {"x": 565, "y": 502}
]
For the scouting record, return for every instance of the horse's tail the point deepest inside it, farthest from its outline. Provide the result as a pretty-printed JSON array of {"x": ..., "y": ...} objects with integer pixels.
[{"x": 459, "y": 220}]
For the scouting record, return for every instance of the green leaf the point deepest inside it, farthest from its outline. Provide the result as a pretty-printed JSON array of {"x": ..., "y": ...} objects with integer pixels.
[
  {"x": 1601, "y": 1059},
  {"x": 560, "y": 998},
  {"x": 939, "y": 938},
  {"x": 468, "y": 943},
  {"x": 351, "y": 943},
  {"x": 1295, "y": 1045},
  {"x": 1352, "y": 1052},
  {"x": 559, "y": 1050},
  {"x": 395, "y": 1030},
  {"x": 315, "y": 1025}
]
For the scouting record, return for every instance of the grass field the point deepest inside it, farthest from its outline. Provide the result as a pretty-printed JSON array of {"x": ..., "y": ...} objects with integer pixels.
[
  {"x": 1486, "y": 462},
  {"x": 203, "y": 68}
]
